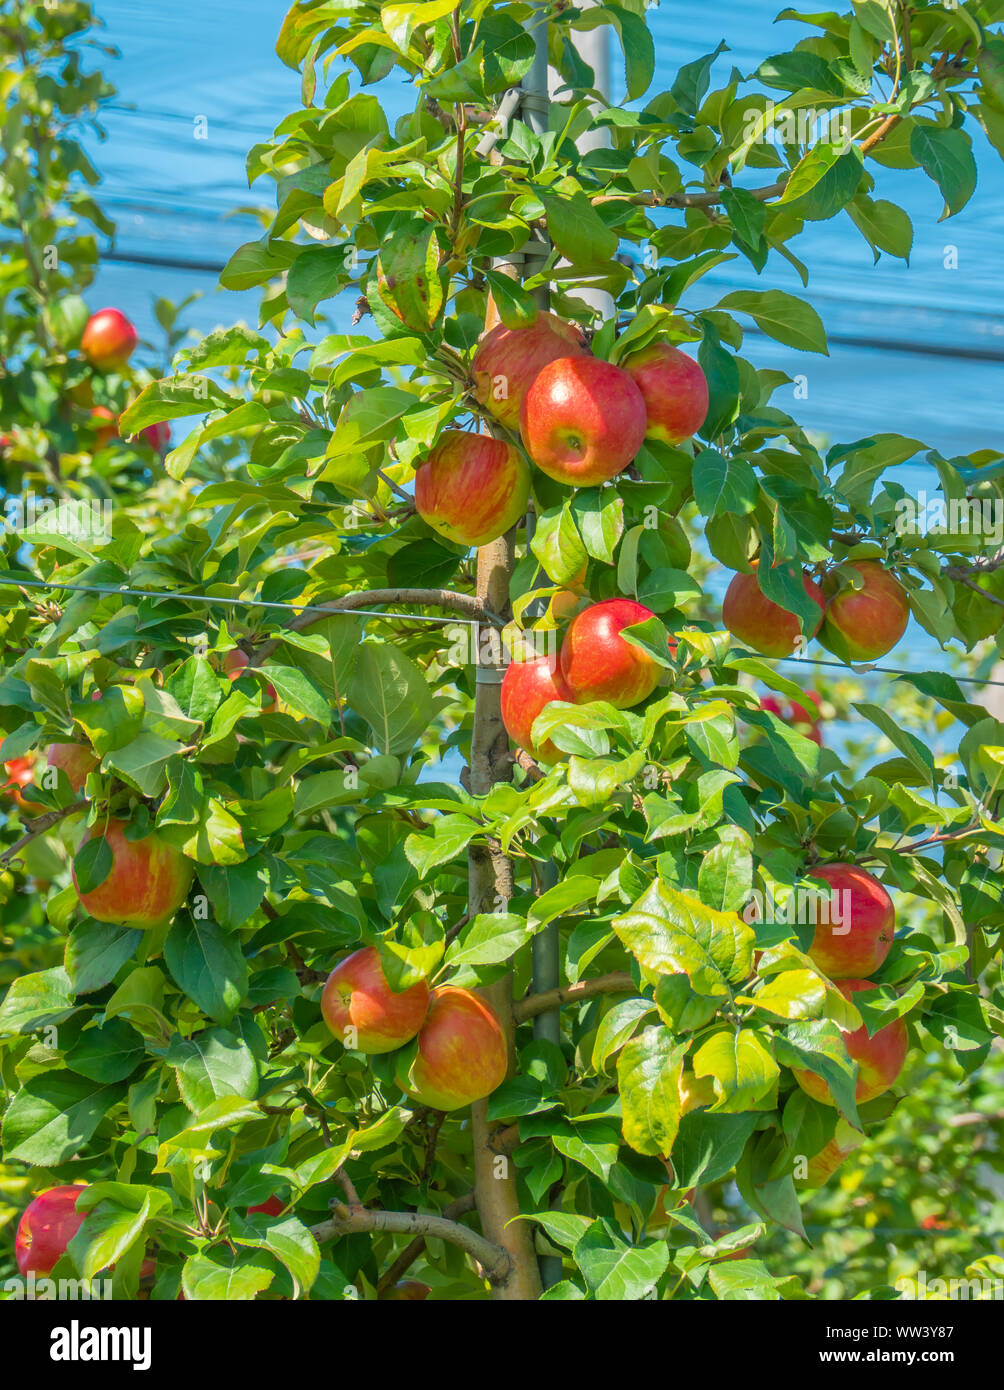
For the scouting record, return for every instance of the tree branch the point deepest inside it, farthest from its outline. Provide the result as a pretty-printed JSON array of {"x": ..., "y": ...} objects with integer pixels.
[
  {"x": 37, "y": 827},
  {"x": 464, "y": 604},
  {"x": 619, "y": 982},
  {"x": 345, "y": 1221},
  {"x": 411, "y": 1252}
]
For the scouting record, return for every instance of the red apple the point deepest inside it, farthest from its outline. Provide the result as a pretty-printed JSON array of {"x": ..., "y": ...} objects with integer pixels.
[
  {"x": 759, "y": 623},
  {"x": 357, "y": 996},
  {"x": 863, "y": 624},
  {"x": 675, "y": 391},
  {"x": 148, "y": 881},
  {"x": 104, "y": 434},
  {"x": 861, "y": 919},
  {"x": 528, "y": 687},
  {"x": 407, "y": 1291},
  {"x": 273, "y": 1207},
  {"x": 20, "y": 772},
  {"x": 472, "y": 488},
  {"x": 109, "y": 340},
  {"x": 74, "y": 759},
  {"x": 508, "y": 359},
  {"x": 157, "y": 436},
  {"x": 880, "y": 1058},
  {"x": 235, "y": 662},
  {"x": 582, "y": 420},
  {"x": 824, "y": 1164},
  {"x": 596, "y": 662},
  {"x": 461, "y": 1055},
  {"x": 798, "y": 716},
  {"x": 47, "y": 1226}
]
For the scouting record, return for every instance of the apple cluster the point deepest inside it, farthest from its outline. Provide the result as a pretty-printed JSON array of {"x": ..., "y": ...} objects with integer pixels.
[
  {"x": 858, "y": 623},
  {"x": 581, "y": 421},
  {"x": 451, "y": 1046}
]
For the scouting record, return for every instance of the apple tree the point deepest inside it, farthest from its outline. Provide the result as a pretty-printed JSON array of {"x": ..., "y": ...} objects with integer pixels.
[{"x": 443, "y": 883}]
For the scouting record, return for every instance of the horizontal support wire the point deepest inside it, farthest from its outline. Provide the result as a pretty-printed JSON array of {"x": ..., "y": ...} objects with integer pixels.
[{"x": 112, "y": 590}]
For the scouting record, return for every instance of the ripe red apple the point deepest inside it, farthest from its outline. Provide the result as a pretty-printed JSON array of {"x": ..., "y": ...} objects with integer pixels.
[
  {"x": 824, "y": 1164},
  {"x": 582, "y": 420},
  {"x": 109, "y": 340},
  {"x": 148, "y": 882},
  {"x": 760, "y": 623},
  {"x": 675, "y": 390},
  {"x": 47, "y": 1226},
  {"x": 880, "y": 1058},
  {"x": 20, "y": 772},
  {"x": 508, "y": 359},
  {"x": 854, "y": 946},
  {"x": 104, "y": 434},
  {"x": 273, "y": 1207},
  {"x": 358, "y": 996},
  {"x": 472, "y": 488},
  {"x": 596, "y": 662},
  {"x": 863, "y": 624},
  {"x": 461, "y": 1054},
  {"x": 235, "y": 662},
  {"x": 527, "y": 688},
  {"x": 74, "y": 759},
  {"x": 800, "y": 718},
  {"x": 158, "y": 436},
  {"x": 407, "y": 1291}
]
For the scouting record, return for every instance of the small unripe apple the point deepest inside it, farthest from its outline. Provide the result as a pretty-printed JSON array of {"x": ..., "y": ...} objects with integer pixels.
[
  {"x": 861, "y": 921},
  {"x": 109, "y": 340},
  {"x": 104, "y": 433},
  {"x": 863, "y": 624},
  {"x": 595, "y": 661},
  {"x": 461, "y": 1055},
  {"x": 528, "y": 687},
  {"x": 357, "y": 997},
  {"x": 880, "y": 1058},
  {"x": 472, "y": 488},
  {"x": 47, "y": 1226},
  {"x": 508, "y": 359},
  {"x": 760, "y": 623},
  {"x": 148, "y": 881},
  {"x": 675, "y": 391},
  {"x": 582, "y": 420}
]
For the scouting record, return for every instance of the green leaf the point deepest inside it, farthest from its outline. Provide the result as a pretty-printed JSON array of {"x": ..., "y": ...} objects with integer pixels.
[
  {"x": 207, "y": 965},
  {"x": 450, "y": 837},
  {"x": 616, "y": 1271},
  {"x": 96, "y": 951},
  {"x": 578, "y": 231},
  {"x": 107, "y": 1053},
  {"x": 946, "y": 155},
  {"x": 206, "y": 1279},
  {"x": 37, "y": 1000},
  {"x": 782, "y": 316},
  {"x": 212, "y": 1065},
  {"x": 724, "y": 484},
  {"x": 285, "y": 1237},
  {"x": 745, "y": 1074},
  {"x": 391, "y": 693},
  {"x": 648, "y": 1079},
  {"x": 490, "y": 939},
  {"x": 53, "y": 1116},
  {"x": 672, "y": 933}
]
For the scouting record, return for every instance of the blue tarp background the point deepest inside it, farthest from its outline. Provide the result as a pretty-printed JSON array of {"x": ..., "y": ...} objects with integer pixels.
[{"x": 174, "y": 197}]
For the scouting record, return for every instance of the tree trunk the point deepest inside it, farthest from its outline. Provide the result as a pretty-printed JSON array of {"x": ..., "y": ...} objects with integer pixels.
[{"x": 490, "y": 887}]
